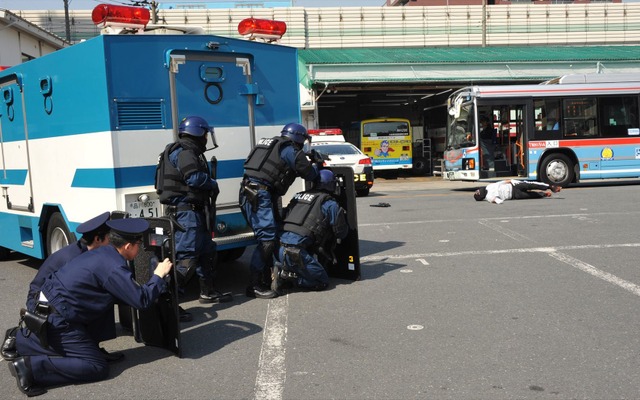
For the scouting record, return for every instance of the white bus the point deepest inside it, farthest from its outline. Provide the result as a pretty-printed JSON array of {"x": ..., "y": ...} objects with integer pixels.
[{"x": 568, "y": 129}]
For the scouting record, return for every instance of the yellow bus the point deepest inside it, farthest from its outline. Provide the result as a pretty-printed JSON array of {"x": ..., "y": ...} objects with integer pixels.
[{"x": 387, "y": 141}]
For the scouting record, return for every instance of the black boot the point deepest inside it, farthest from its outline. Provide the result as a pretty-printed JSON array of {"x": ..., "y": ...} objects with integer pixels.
[
  {"x": 9, "y": 352},
  {"x": 209, "y": 295},
  {"x": 21, "y": 370},
  {"x": 258, "y": 289}
]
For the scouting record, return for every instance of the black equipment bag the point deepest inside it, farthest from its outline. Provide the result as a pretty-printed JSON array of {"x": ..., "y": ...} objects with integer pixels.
[{"x": 160, "y": 324}]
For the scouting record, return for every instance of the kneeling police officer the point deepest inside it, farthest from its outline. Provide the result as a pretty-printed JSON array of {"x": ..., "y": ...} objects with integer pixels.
[
  {"x": 61, "y": 349},
  {"x": 314, "y": 222},
  {"x": 269, "y": 171}
]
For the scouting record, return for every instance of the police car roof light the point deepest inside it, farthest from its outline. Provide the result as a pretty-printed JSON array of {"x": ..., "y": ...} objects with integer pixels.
[
  {"x": 325, "y": 132},
  {"x": 265, "y": 29},
  {"x": 104, "y": 15}
]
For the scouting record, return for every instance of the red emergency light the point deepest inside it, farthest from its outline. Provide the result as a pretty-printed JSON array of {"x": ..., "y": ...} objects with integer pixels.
[
  {"x": 122, "y": 16},
  {"x": 266, "y": 29},
  {"x": 325, "y": 132}
]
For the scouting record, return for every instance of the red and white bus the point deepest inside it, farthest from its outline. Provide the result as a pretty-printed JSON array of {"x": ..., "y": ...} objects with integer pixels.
[{"x": 565, "y": 130}]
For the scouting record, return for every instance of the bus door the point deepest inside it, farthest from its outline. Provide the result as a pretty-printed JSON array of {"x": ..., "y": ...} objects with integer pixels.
[
  {"x": 219, "y": 87},
  {"x": 15, "y": 176},
  {"x": 510, "y": 121}
]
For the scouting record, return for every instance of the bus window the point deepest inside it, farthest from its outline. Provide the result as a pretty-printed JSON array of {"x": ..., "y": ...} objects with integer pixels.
[
  {"x": 579, "y": 117},
  {"x": 618, "y": 116}
]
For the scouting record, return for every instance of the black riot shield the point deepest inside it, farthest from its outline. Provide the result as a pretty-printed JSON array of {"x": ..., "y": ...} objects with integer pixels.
[
  {"x": 347, "y": 252},
  {"x": 160, "y": 324}
]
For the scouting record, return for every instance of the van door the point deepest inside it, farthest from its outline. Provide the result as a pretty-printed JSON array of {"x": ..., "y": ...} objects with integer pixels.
[{"x": 15, "y": 176}]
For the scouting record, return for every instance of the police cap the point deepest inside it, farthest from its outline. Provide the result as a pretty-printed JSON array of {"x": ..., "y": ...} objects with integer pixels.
[
  {"x": 93, "y": 224},
  {"x": 129, "y": 228}
]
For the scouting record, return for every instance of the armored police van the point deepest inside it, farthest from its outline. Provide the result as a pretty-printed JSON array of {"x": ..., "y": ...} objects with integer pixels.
[{"x": 81, "y": 128}]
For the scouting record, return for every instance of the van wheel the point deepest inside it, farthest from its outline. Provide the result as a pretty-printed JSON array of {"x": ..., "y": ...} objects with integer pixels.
[
  {"x": 362, "y": 192},
  {"x": 58, "y": 234},
  {"x": 557, "y": 169}
]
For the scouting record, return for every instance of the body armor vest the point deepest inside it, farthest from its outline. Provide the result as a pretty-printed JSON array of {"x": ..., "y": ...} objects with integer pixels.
[
  {"x": 264, "y": 163},
  {"x": 169, "y": 180},
  {"x": 305, "y": 217}
]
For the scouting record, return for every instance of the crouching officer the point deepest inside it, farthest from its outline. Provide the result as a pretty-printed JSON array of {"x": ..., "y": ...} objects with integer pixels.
[
  {"x": 94, "y": 234},
  {"x": 269, "y": 171},
  {"x": 62, "y": 350},
  {"x": 314, "y": 222},
  {"x": 185, "y": 185}
]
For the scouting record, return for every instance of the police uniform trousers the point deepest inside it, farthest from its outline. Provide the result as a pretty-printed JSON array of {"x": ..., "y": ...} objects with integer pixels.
[
  {"x": 264, "y": 224},
  {"x": 195, "y": 242},
  {"x": 73, "y": 355},
  {"x": 311, "y": 275}
]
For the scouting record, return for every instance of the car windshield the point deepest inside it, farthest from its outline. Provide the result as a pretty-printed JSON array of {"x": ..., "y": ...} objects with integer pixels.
[{"x": 338, "y": 148}]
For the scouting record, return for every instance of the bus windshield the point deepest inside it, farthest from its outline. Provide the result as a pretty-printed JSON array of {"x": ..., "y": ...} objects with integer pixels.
[{"x": 461, "y": 125}]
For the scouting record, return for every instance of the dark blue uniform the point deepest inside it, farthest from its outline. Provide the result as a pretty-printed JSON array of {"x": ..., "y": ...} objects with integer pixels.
[
  {"x": 103, "y": 328},
  {"x": 80, "y": 293},
  {"x": 312, "y": 274},
  {"x": 195, "y": 242},
  {"x": 263, "y": 219},
  {"x": 53, "y": 263}
]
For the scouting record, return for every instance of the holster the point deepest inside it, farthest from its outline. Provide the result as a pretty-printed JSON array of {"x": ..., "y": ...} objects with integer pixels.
[
  {"x": 37, "y": 324},
  {"x": 293, "y": 254},
  {"x": 252, "y": 197}
]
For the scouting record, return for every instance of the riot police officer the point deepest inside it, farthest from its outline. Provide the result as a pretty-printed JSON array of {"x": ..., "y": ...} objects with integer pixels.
[
  {"x": 74, "y": 297},
  {"x": 313, "y": 223},
  {"x": 269, "y": 170},
  {"x": 186, "y": 186}
]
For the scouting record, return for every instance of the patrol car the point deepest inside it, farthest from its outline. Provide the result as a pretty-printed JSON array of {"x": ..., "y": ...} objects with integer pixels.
[{"x": 342, "y": 153}]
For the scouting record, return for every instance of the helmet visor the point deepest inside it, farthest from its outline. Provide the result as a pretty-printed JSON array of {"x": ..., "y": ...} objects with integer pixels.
[
  {"x": 214, "y": 143},
  {"x": 306, "y": 146}
]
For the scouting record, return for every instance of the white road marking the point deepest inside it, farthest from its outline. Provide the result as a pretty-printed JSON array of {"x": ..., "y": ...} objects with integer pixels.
[
  {"x": 505, "y": 231},
  {"x": 271, "y": 367},
  {"x": 590, "y": 269},
  {"x": 423, "y": 261},
  {"x": 388, "y": 225},
  {"x": 386, "y": 257}
]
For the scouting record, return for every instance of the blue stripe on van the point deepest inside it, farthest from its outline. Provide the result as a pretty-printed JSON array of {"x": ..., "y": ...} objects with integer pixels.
[
  {"x": 14, "y": 177},
  {"x": 109, "y": 178}
]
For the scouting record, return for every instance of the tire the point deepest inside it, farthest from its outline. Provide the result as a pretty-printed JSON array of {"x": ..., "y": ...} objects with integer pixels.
[
  {"x": 362, "y": 192},
  {"x": 231, "y": 254},
  {"x": 557, "y": 169},
  {"x": 58, "y": 234},
  {"x": 420, "y": 166}
]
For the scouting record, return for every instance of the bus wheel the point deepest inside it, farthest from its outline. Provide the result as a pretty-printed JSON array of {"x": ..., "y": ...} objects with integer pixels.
[
  {"x": 557, "y": 169},
  {"x": 58, "y": 235}
]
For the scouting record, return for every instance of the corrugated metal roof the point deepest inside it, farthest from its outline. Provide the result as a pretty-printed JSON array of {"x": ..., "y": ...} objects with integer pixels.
[{"x": 437, "y": 55}]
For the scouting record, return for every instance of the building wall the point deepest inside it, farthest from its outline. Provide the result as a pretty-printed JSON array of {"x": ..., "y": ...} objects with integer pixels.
[
  {"x": 345, "y": 27},
  {"x": 21, "y": 41}
]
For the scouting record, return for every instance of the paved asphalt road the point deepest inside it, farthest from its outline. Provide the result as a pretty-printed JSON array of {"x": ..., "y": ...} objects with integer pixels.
[{"x": 531, "y": 299}]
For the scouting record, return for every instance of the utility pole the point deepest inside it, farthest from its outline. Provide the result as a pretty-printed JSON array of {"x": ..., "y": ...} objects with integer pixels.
[
  {"x": 154, "y": 11},
  {"x": 67, "y": 27}
]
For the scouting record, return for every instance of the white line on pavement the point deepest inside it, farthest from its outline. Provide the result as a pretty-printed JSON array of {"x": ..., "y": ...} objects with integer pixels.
[
  {"x": 271, "y": 367},
  {"x": 383, "y": 257},
  {"x": 590, "y": 269}
]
